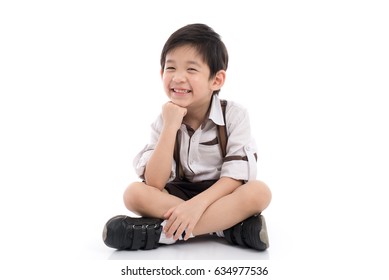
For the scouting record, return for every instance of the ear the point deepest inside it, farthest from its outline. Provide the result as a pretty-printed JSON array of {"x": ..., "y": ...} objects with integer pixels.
[
  {"x": 218, "y": 80},
  {"x": 161, "y": 73}
]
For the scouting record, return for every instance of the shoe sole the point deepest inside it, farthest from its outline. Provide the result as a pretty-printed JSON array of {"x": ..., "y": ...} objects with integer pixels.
[
  {"x": 242, "y": 234},
  {"x": 263, "y": 236}
]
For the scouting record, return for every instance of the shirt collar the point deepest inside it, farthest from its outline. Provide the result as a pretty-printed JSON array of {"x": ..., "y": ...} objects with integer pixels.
[{"x": 216, "y": 112}]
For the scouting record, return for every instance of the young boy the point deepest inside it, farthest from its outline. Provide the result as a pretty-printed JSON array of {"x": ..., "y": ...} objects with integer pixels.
[{"x": 189, "y": 186}]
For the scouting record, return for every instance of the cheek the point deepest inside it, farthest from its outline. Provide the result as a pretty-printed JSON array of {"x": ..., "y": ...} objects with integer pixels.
[
  {"x": 196, "y": 82},
  {"x": 165, "y": 81}
]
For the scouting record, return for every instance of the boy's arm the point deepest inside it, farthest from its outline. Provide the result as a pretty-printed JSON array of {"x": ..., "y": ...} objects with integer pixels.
[
  {"x": 185, "y": 216},
  {"x": 158, "y": 168}
]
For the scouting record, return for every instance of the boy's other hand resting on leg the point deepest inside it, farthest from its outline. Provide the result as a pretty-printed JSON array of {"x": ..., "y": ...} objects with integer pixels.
[{"x": 183, "y": 218}]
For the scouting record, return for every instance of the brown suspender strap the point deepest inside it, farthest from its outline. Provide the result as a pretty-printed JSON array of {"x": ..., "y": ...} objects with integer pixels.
[
  {"x": 222, "y": 131},
  {"x": 176, "y": 156}
]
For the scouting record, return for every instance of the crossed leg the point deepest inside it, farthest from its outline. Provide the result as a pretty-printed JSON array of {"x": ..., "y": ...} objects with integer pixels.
[{"x": 248, "y": 199}]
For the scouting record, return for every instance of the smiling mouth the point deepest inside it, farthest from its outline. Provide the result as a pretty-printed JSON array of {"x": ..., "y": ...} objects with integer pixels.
[{"x": 182, "y": 91}]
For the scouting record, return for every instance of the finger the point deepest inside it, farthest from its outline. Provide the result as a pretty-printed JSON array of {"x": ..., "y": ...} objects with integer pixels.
[
  {"x": 188, "y": 232},
  {"x": 173, "y": 228},
  {"x": 168, "y": 219},
  {"x": 179, "y": 231},
  {"x": 168, "y": 213}
]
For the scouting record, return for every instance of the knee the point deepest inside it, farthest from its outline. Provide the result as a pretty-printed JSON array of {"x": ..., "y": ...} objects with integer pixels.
[
  {"x": 260, "y": 195},
  {"x": 133, "y": 196}
]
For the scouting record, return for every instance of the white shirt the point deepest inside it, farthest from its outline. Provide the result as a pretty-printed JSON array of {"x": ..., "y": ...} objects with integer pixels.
[{"x": 200, "y": 152}]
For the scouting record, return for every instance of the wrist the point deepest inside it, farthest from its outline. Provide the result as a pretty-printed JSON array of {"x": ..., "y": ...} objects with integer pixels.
[
  {"x": 201, "y": 201},
  {"x": 170, "y": 129}
]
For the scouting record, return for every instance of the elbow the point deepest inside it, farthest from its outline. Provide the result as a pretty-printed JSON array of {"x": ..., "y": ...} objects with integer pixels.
[
  {"x": 155, "y": 177},
  {"x": 154, "y": 182}
]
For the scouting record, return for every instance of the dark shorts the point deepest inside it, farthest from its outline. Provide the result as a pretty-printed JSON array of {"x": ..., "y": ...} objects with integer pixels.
[{"x": 186, "y": 190}]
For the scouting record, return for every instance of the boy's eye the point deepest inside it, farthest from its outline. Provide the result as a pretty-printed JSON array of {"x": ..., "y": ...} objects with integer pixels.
[
  {"x": 169, "y": 68},
  {"x": 192, "y": 69}
]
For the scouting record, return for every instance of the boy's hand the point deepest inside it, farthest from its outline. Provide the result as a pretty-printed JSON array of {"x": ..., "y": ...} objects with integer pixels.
[
  {"x": 173, "y": 115},
  {"x": 183, "y": 217}
]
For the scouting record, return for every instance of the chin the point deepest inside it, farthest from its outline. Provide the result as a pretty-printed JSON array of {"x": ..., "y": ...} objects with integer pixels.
[{"x": 180, "y": 102}]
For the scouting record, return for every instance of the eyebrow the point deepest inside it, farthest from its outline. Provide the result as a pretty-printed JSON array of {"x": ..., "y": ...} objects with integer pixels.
[{"x": 187, "y": 62}]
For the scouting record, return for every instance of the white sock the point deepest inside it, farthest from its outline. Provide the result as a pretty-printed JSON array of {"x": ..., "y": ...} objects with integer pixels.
[{"x": 164, "y": 240}]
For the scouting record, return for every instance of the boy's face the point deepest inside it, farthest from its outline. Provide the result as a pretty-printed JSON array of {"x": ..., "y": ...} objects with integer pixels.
[{"x": 186, "y": 78}]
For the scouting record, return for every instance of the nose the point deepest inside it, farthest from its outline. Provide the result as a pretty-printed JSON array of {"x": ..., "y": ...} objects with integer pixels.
[{"x": 179, "y": 77}]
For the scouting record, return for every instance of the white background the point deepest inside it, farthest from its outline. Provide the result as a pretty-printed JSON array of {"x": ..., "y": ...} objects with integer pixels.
[{"x": 80, "y": 85}]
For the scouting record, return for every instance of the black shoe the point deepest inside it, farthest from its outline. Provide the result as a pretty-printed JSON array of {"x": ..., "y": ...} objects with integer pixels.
[
  {"x": 251, "y": 233},
  {"x": 126, "y": 233}
]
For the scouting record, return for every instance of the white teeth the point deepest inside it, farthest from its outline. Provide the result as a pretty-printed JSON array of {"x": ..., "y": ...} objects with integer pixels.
[{"x": 181, "y": 90}]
